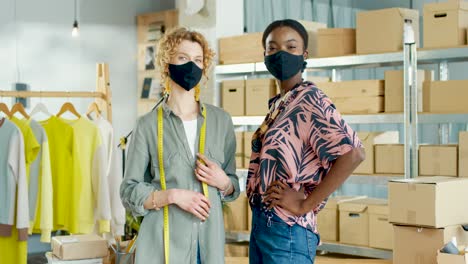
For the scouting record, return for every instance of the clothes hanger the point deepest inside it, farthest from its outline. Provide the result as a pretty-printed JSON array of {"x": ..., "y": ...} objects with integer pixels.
[
  {"x": 5, "y": 110},
  {"x": 19, "y": 108},
  {"x": 93, "y": 107},
  {"x": 68, "y": 107},
  {"x": 40, "y": 108}
]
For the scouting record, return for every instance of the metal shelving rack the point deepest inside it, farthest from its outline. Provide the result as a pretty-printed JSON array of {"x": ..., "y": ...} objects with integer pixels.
[{"x": 407, "y": 58}]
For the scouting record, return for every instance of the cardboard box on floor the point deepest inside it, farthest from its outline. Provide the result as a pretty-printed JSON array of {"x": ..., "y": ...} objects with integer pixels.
[
  {"x": 247, "y": 148},
  {"x": 381, "y": 31},
  {"x": 389, "y": 158},
  {"x": 354, "y": 220},
  {"x": 394, "y": 89},
  {"x": 240, "y": 149},
  {"x": 428, "y": 201},
  {"x": 463, "y": 154},
  {"x": 336, "y": 42},
  {"x": 418, "y": 245},
  {"x": 444, "y": 258},
  {"x": 438, "y": 160},
  {"x": 445, "y": 24},
  {"x": 369, "y": 139},
  {"x": 312, "y": 31},
  {"x": 257, "y": 94},
  {"x": 241, "y": 49},
  {"x": 233, "y": 97},
  {"x": 75, "y": 247},
  {"x": 328, "y": 218},
  {"x": 357, "y": 88},
  {"x": 380, "y": 229},
  {"x": 359, "y": 105},
  {"x": 445, "y": 96}
]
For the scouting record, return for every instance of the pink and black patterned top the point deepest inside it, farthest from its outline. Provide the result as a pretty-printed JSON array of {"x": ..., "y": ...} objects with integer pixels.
[{"x": 299, "y": 148}]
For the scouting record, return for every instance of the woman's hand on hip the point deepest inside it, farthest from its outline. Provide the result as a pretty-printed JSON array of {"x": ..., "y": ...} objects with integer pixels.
[
  {"x": 209, "y": 172},
  {"x": 192, "y": 202},
  {"x": 281, "y": 195}
]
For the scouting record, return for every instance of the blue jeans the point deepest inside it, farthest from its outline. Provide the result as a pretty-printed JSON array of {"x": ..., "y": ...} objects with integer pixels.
[{"x": 273, "y": 241}]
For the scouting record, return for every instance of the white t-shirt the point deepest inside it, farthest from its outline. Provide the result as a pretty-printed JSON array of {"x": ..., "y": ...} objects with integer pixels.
[{"x": 190, "y": 128}]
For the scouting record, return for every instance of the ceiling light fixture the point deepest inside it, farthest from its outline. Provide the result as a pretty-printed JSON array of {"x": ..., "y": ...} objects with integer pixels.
[{"x": 75, "y": 30}]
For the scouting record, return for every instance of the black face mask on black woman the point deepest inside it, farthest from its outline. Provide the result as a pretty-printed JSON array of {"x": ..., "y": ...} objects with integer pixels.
[{"x": 284, "y": 65}]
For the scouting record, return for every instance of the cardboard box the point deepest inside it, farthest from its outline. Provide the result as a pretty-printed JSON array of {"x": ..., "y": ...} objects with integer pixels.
[
  {"x": 381, "y": 31},
  {"x": 445, "y": 96},
  {"x": 316, "y": 79},
  {"x": 380, "y": 230},
  {"x": 394, "y": 90},
  {"x": 350, "y": 89},
  {"x": 247, "y": 148},
  {"x": 463, "y": 154},
  {"x": 76, "y": 247},
  {"x": 336, "y": 42},
  {"x": 428, "y": 201},
  {"x": 445, "y": 24},
  {"x": 417, "y": 245},
  {"x": 241, "y": 49},
  {"x": 235, "y": 214},
  {"x": 354, "y": 221},
  {"x": 369, "y": 139},
  {"x": 359, "y": 105},
  {"x": 390, "y": 159},
  {"x": 249, "y": 218},
  {"x": 328, "y": 217},
  {"x": 233, "y": 97},
  {"x": 236, "y": 260},
  {"x": 258, "y": 92},
  {"x": 438, "y": 160},
  {"x": 239, "y": 149},
  {"x": 312, "y": 30},
  {"x": 236, "y": 251},
  {"x": 444, "y": 258}
]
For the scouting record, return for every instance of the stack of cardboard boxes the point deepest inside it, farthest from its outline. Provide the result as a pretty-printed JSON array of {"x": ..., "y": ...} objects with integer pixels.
[
  {"x": 378, "y": 156},
  {"x": 356, "y": 220},
  {"x": 247, "y": 98},
  {"x": 427, "y": 212}
]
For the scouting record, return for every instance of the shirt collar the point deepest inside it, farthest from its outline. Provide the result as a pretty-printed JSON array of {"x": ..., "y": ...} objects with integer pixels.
[{"x": 167, "y": 110}]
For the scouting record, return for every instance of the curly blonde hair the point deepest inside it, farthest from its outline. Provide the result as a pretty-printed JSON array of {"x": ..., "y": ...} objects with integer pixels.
[{"x": 168, "y": 45}]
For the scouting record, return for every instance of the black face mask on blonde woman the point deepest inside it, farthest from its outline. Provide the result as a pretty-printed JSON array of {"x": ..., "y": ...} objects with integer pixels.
[{"x": 186, "y": 75}]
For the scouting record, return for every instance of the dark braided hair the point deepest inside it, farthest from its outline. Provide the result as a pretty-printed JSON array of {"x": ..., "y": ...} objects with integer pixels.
[{"x": 298, "y": 27}]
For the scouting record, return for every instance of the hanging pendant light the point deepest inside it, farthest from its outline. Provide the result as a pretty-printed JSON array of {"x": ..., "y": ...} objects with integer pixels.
[{"x": 75, "y": 30}]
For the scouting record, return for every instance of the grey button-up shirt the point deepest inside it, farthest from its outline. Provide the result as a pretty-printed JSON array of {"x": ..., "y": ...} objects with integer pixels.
[{"x": 186, "y": 231}]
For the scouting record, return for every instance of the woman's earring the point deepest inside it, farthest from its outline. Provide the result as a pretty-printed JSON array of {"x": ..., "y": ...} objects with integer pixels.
[
  {"x": 167, "y": 88},
  {"x": 197, "y": 92}
]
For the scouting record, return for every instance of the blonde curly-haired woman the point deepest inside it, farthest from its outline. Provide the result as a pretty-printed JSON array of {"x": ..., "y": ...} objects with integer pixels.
[{"x": 189, "y": 148}]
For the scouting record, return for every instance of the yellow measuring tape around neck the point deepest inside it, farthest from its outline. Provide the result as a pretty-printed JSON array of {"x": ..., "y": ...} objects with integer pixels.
[{"x": 163, "y": 176}]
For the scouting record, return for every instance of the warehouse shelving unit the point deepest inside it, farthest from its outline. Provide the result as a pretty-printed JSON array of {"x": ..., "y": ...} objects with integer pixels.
[{"x": 407, "y": 59}]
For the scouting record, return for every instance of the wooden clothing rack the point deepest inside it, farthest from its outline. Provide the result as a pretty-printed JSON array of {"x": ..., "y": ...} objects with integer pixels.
[{"x": 102, "y": 95}]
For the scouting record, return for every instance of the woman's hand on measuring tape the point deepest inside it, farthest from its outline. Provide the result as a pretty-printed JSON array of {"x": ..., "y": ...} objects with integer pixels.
[
  {"x": 193, "y": 202},
  {"x": 210, "y": 173}
]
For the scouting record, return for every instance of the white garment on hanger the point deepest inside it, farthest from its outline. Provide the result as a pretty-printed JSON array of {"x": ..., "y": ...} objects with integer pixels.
[{"x": 114, "y": 175}]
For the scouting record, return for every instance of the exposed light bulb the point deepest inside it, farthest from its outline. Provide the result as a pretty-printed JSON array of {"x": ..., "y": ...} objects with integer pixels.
[{"x": 75, "y": 30}]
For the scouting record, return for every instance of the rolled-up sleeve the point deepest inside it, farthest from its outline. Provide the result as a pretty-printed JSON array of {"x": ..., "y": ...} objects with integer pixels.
[
  {"x": 134, "y": 190},
  {"x": 331, "y": 136},
  {"x": 229, "y": 165}
]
